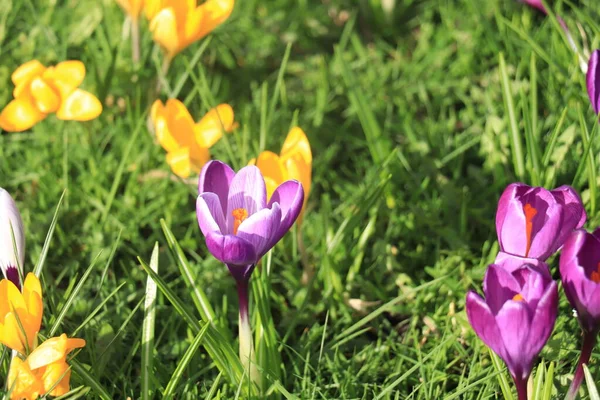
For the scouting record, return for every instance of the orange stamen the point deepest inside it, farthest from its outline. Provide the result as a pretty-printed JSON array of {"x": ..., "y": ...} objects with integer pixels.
[
  {"x": 518, "y": 297},
  {"x": 530, "y": 212},
  {"x": 239, "y": 215},
  {"x": 596, "y": 274}
]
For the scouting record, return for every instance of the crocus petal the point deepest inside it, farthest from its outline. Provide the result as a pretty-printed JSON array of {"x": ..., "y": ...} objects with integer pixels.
[
  {"x": 180, "y": 162},
  {"x": 290, "y": 197},
  {"x": 180, "y": 122},
  {"x": 23, "y": 382},
  {"x": 20, "y": 115},
  {"x": 261, "y": 228},
  {"x": 79, "y": 106},
  {"x": 506, "y": 206},
  {"x": 543, "y": 243},
  {"x": 593, "y": 80},
  {"x": 216, "y": 177},
  {"x": 536, "y": 4},
  {"x": 544, "y": 318},
  {"x": 297, "y": 144},
  {"x": 215, "y": 12},
  {"x": 273, "y": 170},
  {"x": 12, "y": 252},
  {"x": 56, "y": 376},
  {"x": 247, "y": 191},
  {"x": 231, "y": 249},
  {"x": 26, "y": 72},
  {"x": 71, "y": 72},
  {"x": 511, "y": 262},
  {"x": 483, "y": 322},
  {"x": 46, "y": 99},
  {"x": 164, "y": 31},
  {"x": 515, "y": 321},
  {"x": 499, "y": 285},
  {"x": 163, "y": 134},
  {"x": 210, "y": 128},
  {"x": 574, "y": 215},
  {"x": 52, "y": 350},
  {"x": 210, "y": 213}
]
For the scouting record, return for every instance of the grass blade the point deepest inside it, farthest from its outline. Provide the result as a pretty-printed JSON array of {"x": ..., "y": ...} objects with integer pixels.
[{"x": 148, "y": 327}]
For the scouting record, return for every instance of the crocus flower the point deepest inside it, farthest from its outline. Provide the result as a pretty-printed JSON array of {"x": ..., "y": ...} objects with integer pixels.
[
  {"x": 11, "y": 227},
  {"x": 533, "y": 222},
  {"x": 580, "y": 274},
  {"x": 40, "y": 91},
  {"x": 536, "y": 4},
  {"x": 187, "y": 143},
  {"x": 20, "y": 313},
  {"x": 593, "y": 81},
  {"x": 176, "y": 24},
  {"x": 133, "y": 8},
  {"x": 516, "y": 317},
  {"x": 294, "y": 162},
  {"x": 45, "y": 371}
]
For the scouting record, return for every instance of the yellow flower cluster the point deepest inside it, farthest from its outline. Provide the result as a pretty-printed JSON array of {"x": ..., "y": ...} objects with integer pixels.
[{"x": 36, "y": 370}]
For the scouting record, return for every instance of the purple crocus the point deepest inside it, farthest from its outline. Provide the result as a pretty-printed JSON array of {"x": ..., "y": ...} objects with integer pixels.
[
  {"x": 536, "y": 4},
  {"x": 516, "y": 317},
  {"x": 593, "y": 81},
  {"x": 12, "y": 252},
  {"x": 240, "y": 227},
  {"x": 580, "y": 274},
  {"x": 533, "y": 222}
]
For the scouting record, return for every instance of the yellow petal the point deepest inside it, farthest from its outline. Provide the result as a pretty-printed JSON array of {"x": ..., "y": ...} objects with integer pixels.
[
  {"x": 65, "y": 77},
  {"x": 273, "y": 170},
  {"x": 163, "y": 135},
  {"x": 79, "y": 106},
  {"x": 214, "y": 13},
  {"x": 180, "y": 162},
  {"x": 180, "y": 122},
  {"x": 46, "y": 99},
  {"x": 297, "y": 144},
  {"x": 32, "y": 285},
  {"x": 10, "y": 298},
  {"x": 210, "y": 128},
  {"x": 298, "y": 169},
  {"x": 20, "y": 115},
  {"x": 56, "y": 376},
  {"x": 26, "y": 72},
  {"x": 11, "y": 331},
  {"x": 132, "y": 7},
  {"x": 22, "y": 381},
  {"x": 52, "y": 350},
  {"x": 199, "y": 156},
  {"x": 164, "y": 31},
  {"x": 157, "y": 109},
  {"x": 153, "y": 7}
]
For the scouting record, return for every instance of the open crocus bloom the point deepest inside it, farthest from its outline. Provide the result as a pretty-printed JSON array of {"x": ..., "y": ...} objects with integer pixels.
[
  {"x": 132, "y": 7},
  {"x": 187, "y": 143},
  {"x": 175, "y": 24},
  {"x": 45, "y": 371},
  {"x": 517, "y": 316},
  {"x": 11, "y": 227},
  {"x": 294, "y": 162},
  {"x": 580, "y": 274},
  {"x": 235, "y": 218},
  {"x": 533, "y": 222},
  {"x": 593, "y": 80},
  {"x": 20, "y": 313},
  {"x": 40, "y": 91}
]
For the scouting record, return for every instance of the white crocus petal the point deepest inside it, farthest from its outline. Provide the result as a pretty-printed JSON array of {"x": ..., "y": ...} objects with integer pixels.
[{"x": 12, "y": 252}]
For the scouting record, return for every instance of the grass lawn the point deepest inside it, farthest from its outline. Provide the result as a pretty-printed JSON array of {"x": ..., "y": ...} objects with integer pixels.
[{"x": 418, "y": 118}]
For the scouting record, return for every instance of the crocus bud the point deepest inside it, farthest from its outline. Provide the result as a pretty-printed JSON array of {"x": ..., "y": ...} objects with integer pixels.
[
  {"x": 593, "y": 81},
  {"x": 536, "y": 4},
  {"x": 12, "y": 253},
  {"x": 533, "y": 222},
  {"x": 517, "y": 315},
  {"x": 580, "y": 274}
]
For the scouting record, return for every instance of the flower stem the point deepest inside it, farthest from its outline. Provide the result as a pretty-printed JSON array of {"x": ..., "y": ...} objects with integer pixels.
[
  {"x": 135, "y": 41},
  {"x": 521, "y": 385},
  {"x": 247, "y": 353},
  {"x": 589, "y": 341}
]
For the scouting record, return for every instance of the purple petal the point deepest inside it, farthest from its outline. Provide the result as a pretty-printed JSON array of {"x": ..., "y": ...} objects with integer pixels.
[
  {"x": 537, "y": 4},
  {"x": 543, "y": 320},
  {"x": 12, "y": 274},
  {"x": 593, "y": 81},
  {"x": 483, "y": 322},
  {"x": 230, "y": 249},
  {"x": 546, "y": 224},
  {"x": 248, "y": 192},
  {"x": 514, "y": 323},
  {"x": 260, "y": 228},
  {"x": 11, "y": 227},
  {"x": 574, "y": 215},
  {"x": 513, "y": 233},
  {"x": 499, "y": 286},
  {"x": 290, "y": 197},
  {"x": 509, "y": 194},
  {"x": 209, "y": 213},
  {"x": 216, "y": 177},
  {"x": 511, "y": 262}
]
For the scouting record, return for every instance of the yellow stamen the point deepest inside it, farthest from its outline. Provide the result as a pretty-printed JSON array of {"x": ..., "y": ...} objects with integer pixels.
[
  {"x": 518, "y": 297},
  {"x": 239, "y": 215},
  {"x": 530, "y": 212},
  {"x": 596, "y": 274}
]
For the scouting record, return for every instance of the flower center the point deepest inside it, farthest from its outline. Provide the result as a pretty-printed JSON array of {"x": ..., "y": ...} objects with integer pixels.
[
  {"x": 530, "y": 212},
  {"x": 239, "y": 215},
  {"x": 518, "y": 297},
  {"x": 596, "y": 274}
]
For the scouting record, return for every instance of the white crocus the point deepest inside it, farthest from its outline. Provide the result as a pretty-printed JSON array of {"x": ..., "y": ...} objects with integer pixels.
[{"x": 12, "y": 252}]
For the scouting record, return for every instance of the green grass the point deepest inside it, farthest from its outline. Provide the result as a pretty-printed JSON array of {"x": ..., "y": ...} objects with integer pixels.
[{"x": 417, "y": 124}]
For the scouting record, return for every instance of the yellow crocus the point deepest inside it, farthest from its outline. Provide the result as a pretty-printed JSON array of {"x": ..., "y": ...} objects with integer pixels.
[
  {"x": 186, "y": 142},
  {"x": 20, "y": 313},
  {"x": 294, "y": 162},
  {"x": 175, "y": 24},
  {"x": 133, "y": 8},
  {"x": 45, "y": 371},
  {"x": 41, "y": 90}
]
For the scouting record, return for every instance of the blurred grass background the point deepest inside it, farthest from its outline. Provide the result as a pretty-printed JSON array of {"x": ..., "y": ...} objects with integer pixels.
[{"x": 412, "y": 112}]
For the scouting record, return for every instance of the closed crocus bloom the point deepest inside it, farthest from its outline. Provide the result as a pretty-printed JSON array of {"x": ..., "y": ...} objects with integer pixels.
[
  {"x": 533, "y": 222},
  {"x": 239, "y": 225},
  {"x": 593, "y": 81},
  {"x": 20, "y": 313},
  {"x": 133, "y": 8},
  {"x": 40, "y": 91},
  {"x": 12, "y": 252},
  {"x": 516, "y": 317},
  {"x": 294, "y": 162},
  {"x": 175, "y": 24},
  {"x": 187, "y": 143}
]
